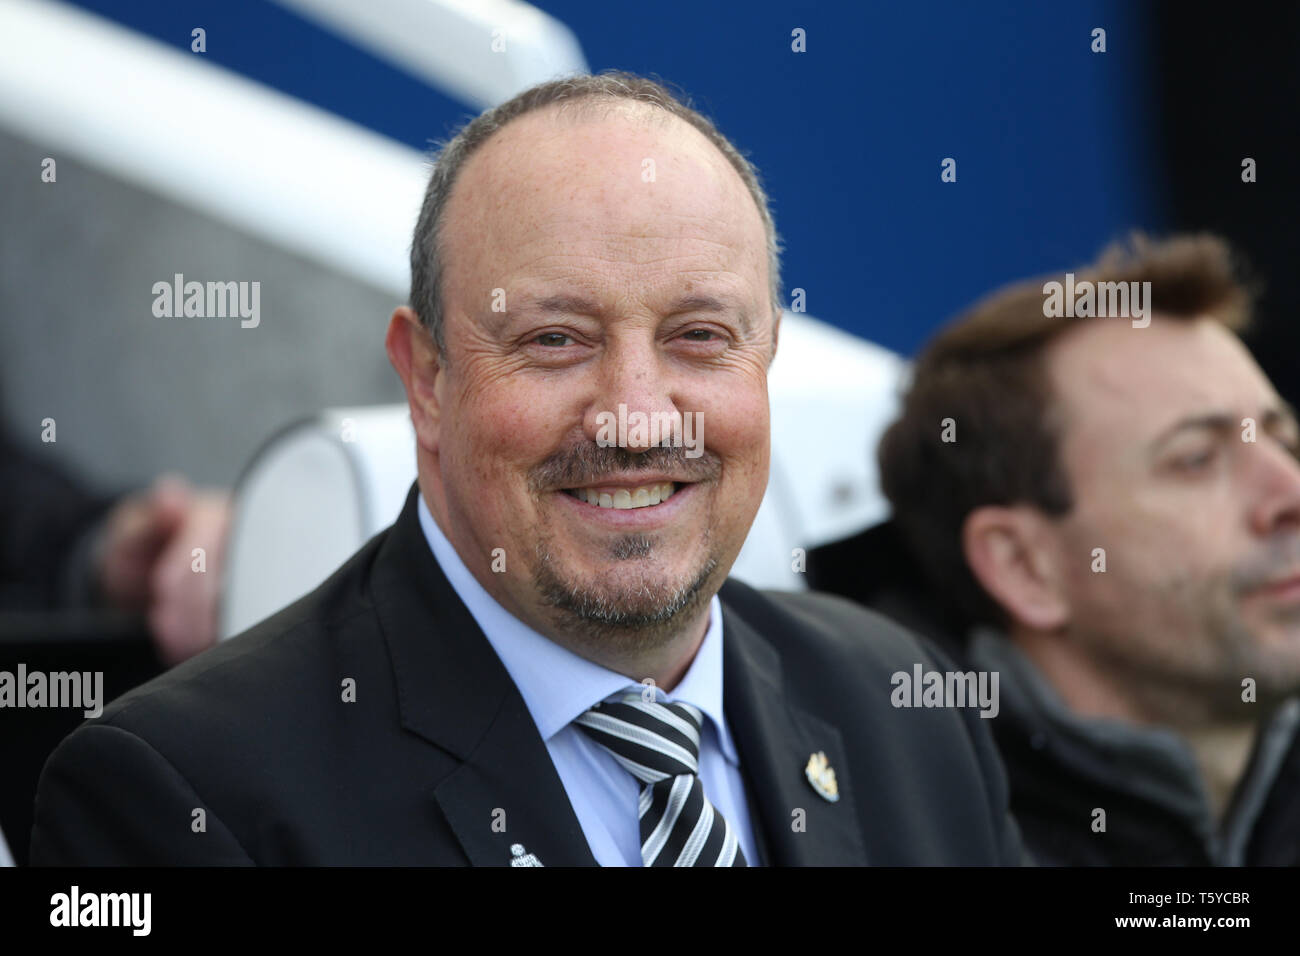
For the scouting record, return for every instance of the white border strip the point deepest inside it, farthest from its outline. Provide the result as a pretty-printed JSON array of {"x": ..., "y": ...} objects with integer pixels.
[
  {"x": 175, "y": 124},
  {"x": 481, "y": 51}
]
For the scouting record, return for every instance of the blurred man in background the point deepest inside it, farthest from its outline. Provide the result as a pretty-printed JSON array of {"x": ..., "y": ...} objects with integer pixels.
[
  {"x": 78, "y": 571},
  {"x": 1114, "y": 503}
]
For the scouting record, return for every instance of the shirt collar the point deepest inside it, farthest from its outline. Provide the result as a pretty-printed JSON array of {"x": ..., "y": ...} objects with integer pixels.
[{"x": 558, "y": 685}]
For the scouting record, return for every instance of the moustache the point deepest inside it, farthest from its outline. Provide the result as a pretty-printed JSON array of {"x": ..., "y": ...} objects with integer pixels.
[
  {"x": 588, "y": 463},
  {"x": 1279, "y": 559}
]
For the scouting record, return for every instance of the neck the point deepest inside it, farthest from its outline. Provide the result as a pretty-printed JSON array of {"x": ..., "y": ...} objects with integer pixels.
[
  {"x": 1221, "y": 749},
  {"x": 666, "y": 663},
  {"x": 1222, "y": 754},
  {"x": 1086, "y": 689}
]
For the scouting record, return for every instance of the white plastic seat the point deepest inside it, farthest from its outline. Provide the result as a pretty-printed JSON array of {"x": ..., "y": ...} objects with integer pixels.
[{"x": 320, "y": 489}]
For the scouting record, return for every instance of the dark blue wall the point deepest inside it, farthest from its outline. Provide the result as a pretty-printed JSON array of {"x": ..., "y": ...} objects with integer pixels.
[{"x": 1052, "y": 142}]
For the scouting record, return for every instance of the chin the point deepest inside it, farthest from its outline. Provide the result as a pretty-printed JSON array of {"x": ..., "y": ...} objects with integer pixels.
[{"x": 642, "y": 604}]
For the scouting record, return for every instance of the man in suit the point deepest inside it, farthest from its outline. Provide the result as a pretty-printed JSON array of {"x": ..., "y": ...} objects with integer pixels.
[
  {"x": 1111, "y": 503},
  {"x": 542, "y": 661}
]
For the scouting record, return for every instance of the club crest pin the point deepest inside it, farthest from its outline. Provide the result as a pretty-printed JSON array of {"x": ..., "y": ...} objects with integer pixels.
[
  {"x": 520, "y": 858},
  {"x": 822, "y": 777}
]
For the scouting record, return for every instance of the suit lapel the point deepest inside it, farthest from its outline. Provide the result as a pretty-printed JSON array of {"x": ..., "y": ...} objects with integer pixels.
[
  {"x": 775, "y": 734},
  {"x": 454, "y": 693},
  {"x": 506, "y": 794}
]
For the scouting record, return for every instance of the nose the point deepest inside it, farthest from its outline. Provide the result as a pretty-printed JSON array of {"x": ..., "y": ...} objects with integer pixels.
[
  {"x": 1278, "y": 508},
  {"x": 633, "y": 405}
]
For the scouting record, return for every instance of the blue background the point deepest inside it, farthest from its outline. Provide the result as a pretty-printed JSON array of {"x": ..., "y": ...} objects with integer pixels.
[{"x": 1053, "y": 143}]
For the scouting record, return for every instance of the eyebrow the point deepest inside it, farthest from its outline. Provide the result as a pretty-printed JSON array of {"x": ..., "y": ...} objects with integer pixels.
[
  {"x": 1281, "y": 413},
  {"x": 562, "y": 303}
]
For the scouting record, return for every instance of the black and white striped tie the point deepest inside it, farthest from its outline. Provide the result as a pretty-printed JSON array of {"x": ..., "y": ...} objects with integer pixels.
[{"x": 659, "y": 744}]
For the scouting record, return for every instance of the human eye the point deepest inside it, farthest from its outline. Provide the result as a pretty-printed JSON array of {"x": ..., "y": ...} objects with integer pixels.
[
  {"x": 1193, "y": 461},
  {"x": 552, "y": 339}
]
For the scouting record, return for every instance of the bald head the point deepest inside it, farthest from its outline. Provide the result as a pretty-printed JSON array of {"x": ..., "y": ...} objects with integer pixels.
[
  {"x": 574, "y": 100},
  {"x": 611, "y": 206}
]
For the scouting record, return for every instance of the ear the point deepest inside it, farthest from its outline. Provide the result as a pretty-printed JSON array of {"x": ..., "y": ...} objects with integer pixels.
[
  {"x": 416, "y": 359},
  {"x": 1013, "y": 554}
]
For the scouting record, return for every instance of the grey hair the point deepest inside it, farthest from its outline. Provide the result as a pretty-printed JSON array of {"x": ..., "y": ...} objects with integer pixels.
[{"x": 608, "y": 86}]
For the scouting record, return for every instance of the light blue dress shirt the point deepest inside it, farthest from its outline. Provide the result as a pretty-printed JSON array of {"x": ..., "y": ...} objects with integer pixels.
[{"x": 558, "y": 685}]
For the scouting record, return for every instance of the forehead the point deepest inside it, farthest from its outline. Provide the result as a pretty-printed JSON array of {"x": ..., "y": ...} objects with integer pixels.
[
  {"x": 1113, "y": 381},
  {"x": 624, "y": 184}
]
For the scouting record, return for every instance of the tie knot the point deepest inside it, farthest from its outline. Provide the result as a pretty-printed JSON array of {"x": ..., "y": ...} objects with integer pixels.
[{"x": 652, "y": 741}]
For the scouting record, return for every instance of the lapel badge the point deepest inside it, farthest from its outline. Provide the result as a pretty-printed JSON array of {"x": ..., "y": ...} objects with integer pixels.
[
  {"x": 822, "y": 777},
  {"x": 520, "y": 858}
]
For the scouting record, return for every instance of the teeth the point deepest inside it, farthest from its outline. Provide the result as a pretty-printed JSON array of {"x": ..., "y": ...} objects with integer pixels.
[{"x": 625, "y": 499}]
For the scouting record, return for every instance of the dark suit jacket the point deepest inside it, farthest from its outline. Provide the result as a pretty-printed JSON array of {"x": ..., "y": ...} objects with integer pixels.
[
  {"x": 1056, "y": 779},
  {"x": 254, "y": 740}
]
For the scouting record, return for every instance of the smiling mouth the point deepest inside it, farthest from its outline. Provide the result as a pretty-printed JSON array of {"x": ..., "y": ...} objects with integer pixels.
[
  {"x": 1279, "y": 586},
  {"x": 625, "y": 499}
]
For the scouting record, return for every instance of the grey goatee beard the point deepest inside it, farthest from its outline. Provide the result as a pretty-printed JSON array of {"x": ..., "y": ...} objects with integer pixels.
[{"x": 638, "y": 620}]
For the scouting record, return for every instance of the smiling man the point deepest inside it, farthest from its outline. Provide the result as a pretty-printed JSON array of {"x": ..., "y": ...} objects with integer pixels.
[{"x": 542, "y": 661}]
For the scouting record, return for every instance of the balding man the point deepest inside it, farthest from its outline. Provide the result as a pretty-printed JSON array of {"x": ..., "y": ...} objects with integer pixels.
[{"x": 542, "y": 662}]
